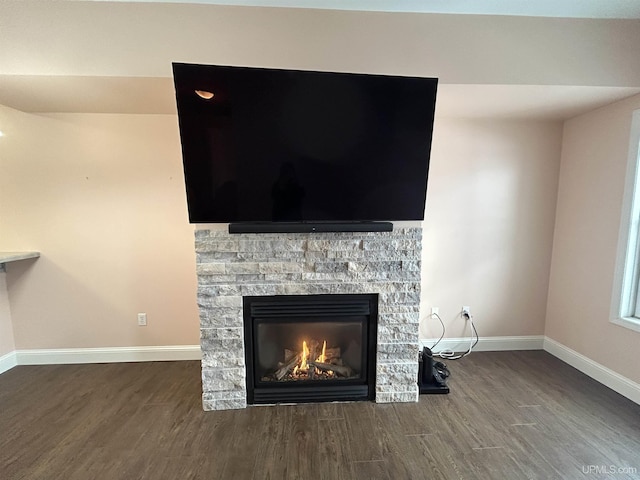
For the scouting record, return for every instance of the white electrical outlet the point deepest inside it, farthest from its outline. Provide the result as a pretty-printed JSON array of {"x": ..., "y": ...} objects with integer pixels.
[
  {"x": 466, "y": 310},
  {"x": 435, "y": 311},
  {"x": 142, "y": 319}
]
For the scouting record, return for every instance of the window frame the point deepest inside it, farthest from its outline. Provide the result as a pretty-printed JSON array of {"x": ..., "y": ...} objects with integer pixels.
[{"x": 625, "y": 304}]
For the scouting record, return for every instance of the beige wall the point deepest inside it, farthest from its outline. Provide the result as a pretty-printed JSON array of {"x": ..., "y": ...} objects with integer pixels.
[
  {"x": 7, "y": 344},
  {"x": 102, "y": 198},
  {"x": 592, "y": 178},
  {"x": 142, "y": 39},
  {"x": 489, "y": 225}
]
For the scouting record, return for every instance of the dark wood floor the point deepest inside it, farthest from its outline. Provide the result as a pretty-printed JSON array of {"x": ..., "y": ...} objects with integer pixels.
[{"x": 509, "y": 415}]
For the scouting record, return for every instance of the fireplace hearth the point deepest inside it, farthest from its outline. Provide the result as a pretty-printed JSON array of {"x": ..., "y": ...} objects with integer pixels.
[{"x": 310, "y": 348}]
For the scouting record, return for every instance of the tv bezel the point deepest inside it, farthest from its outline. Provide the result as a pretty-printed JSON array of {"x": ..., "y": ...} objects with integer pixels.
[{"x": 307, "y": 225}]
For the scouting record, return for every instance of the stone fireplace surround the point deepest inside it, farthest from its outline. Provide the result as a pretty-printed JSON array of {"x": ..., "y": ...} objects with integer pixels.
[{"x": 230, "y": 266}]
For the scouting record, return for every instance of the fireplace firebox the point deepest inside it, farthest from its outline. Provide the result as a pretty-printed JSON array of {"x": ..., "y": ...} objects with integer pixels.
[{"x": 310, "y": 348}]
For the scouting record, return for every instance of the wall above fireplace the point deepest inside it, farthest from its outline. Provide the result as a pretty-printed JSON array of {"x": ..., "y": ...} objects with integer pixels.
[{"x": 232, "y": 266}]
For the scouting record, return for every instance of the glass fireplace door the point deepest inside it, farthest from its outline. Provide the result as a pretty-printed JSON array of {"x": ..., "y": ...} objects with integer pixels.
[{"x": 310, "y": 348}]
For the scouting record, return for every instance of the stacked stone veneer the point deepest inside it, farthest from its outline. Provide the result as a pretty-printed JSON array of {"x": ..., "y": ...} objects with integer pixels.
[{"x": 232, "y": 266}]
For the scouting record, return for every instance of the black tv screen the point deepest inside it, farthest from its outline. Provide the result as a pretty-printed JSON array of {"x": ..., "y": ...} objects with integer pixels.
[{"x": 270, "y": 145}]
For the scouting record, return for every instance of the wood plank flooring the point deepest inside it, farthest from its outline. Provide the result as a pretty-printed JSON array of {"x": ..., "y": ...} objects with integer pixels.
[{"x": 510, "y": 415}]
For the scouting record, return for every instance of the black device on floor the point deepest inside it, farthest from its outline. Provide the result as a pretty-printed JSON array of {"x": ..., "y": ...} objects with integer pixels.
[{"x": 432, "y": 375}]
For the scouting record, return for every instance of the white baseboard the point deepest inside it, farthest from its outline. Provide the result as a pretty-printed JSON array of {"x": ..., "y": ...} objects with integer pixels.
[
  {"x": 486, "y": 344},
  {"x": 107, "y": 355},
  {"x": 8, "y": 361},
  {"x": 600, "y": 373}
]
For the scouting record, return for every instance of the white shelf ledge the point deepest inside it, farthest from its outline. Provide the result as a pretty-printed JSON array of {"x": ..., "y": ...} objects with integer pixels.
[{"x": 6, "y": 257}]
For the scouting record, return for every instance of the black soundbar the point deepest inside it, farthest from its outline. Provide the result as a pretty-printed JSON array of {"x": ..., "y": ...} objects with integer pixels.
[{"x": 303, "y": 227}]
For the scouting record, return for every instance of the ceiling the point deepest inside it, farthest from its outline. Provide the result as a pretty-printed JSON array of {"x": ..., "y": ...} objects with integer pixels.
[
  {"x": 530, "y": 8},
  {"x": 87, "y": 69}
]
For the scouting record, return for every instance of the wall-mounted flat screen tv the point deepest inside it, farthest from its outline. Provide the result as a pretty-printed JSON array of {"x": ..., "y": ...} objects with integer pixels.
[{"x": 272, "y": 145}]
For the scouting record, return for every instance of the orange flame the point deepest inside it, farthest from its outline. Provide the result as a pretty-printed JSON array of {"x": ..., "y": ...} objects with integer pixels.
[
  {"x": 305, "y": 356},
  {"x": 302, "y": 369},
  {"x": 322, "y": 358}
]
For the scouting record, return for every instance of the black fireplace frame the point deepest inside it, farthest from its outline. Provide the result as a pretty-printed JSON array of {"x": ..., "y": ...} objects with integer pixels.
[{"x": 283, "y": 307}]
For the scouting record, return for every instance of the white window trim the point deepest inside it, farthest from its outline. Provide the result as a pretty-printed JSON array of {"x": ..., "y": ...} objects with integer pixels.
[{"x": 626, "y": 294}]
